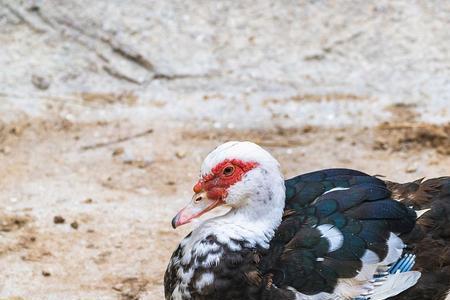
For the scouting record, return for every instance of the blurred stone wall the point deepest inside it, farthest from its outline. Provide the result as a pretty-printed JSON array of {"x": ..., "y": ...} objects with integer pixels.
[{"x": 251, "y": 63}]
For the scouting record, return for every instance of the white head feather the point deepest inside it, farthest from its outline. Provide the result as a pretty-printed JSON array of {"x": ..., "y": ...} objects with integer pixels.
[{"x": 257, "y": 200}]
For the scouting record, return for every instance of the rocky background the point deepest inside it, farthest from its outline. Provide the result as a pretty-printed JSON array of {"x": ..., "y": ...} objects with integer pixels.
[{"x": 107, "y": 109}]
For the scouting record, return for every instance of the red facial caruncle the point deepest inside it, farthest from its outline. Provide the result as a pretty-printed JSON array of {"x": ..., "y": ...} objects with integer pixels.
[
  {"x": 222, "y": 176},
  {"x": 212, "y": 189}
]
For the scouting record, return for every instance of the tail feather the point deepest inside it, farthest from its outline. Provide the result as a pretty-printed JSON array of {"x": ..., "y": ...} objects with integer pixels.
[{"x": 430, "y": 238}]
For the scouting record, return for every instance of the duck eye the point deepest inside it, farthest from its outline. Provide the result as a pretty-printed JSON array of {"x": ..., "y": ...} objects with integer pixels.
[
  {"x": 228, "y": 171},
  {"x": 198, "y": 199}
]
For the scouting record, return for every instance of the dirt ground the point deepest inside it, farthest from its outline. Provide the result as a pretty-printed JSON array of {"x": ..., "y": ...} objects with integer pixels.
[{"x": 108, "y": 108}]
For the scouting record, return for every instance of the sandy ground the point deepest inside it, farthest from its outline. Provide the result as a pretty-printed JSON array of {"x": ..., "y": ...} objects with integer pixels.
[{"x": 107, "y": 109}]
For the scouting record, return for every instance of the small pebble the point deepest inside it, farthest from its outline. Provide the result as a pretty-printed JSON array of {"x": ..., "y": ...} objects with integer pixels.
[
  {"x": 307, "y": 129},
  {"x": 118, "y": 151},
  {"x": 180, "y": 154},
  {"x": 411, "y": 169},
  {"x": 58, "y": 220},
  {"x": 46, "y": 273},
  {"x": 74, "y": 225},
  {"x": 5, "y": 150},
  {"x": 40, "y": 82}
]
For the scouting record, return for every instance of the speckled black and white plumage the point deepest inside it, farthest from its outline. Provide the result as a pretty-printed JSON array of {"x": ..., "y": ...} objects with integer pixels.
[
  {"x": 231, "y": 274},
  {"x": 338, "y": 226}
]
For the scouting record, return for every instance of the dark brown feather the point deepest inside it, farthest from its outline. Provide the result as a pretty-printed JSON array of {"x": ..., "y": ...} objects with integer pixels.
[
  {"x": 419, "y": 194},
  {"x": 430, "y": 239}
]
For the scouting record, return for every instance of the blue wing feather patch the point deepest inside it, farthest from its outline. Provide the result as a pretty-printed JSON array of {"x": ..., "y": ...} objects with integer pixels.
[{"x": 404, "y": 264}]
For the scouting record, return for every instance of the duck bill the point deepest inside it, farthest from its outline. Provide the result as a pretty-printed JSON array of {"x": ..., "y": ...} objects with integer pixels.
[{"x": 198, "y": 206}]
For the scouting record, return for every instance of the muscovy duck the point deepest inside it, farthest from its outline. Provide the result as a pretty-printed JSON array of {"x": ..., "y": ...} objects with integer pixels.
[{"x": 330, "y": 234}]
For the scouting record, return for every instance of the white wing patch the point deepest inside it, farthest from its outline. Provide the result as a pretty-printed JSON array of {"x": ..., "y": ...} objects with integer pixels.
[
  {"x": 319, "y": 296},
  {"x": 333, "y": 235},
  {"x": 336, "y": 189},
  {"x": 419, "y": 213},
  {"x": 370, "y": 257},
  {"x": 395, "y": 284},
  {"x": 395, "y": 249},
  {"x": 332, "y": 190},
  {"x": 370, "y": 262}
]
